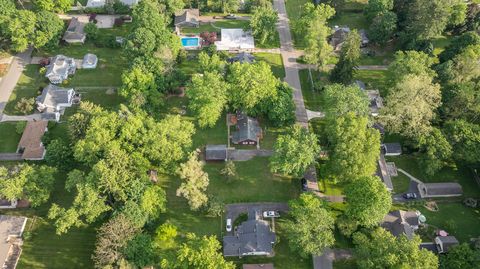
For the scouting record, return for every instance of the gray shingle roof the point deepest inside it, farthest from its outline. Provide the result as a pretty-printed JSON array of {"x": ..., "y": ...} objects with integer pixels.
[
  {"x": 216, "y": 152},
  {"x": 53, "y": 95},
  {"x": 187, "y": 16},
  {"x": 247, "y": 129},
  {"x": 242, "y": 57},
  {"x": 392, "y": 149},
  {"x": 382, "y": 172},
  {"x": 400, "y": 222},
  {"x": 440, "y": 189},
  {"x": 252, "y": 236}
]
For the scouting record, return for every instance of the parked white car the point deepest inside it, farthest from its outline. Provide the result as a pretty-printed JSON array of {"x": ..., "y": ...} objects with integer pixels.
[
  {"x": 229, "y": 225},
  {"x": 271, "y": 214}
]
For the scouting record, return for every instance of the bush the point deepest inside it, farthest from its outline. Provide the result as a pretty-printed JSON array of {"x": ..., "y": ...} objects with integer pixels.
[
  {"x": 214, "y": 207},
  {"x": 91, "y": 30},
  {"x": 42, "y": 70},
  {"x": 120, "y": 8},
  {"x": 25, "y": 105},
  {"x": 20, "y": 127},
  {"x": 118, "y": 22},
  {"x": 65, "y": 82}
]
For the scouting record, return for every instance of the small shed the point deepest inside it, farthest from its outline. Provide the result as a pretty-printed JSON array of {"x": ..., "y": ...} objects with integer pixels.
[
  {"x": 75, "y": 33},
  {"x": 445, "y": 243},
  {"x": 447, "y": 189},
  {"x": 187, "y": 18},
  {"x": 392, "y": 149},
  {"x": 89, "y": 61},
  {"x": 30, "y": 145},
  {"x": 216, "y": 153}
]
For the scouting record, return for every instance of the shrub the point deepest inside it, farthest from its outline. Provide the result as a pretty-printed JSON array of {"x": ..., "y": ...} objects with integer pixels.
[
  {"x": 209, "y": 38},
  {"x": 65, "y": 82},
  {"x": 120, "y": 8},
  {"x": 42, "y": 70},
  {"x": 91, "y": 30},
  {"x": 214, "y": 207},
  {"x": 470, "y": 202},
  {"x": 25, "y": 105},
  {"x": 118, "y": 22}
]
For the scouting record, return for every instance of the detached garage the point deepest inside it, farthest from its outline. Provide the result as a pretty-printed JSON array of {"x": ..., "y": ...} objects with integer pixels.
[{"x": 448, "y": 189}]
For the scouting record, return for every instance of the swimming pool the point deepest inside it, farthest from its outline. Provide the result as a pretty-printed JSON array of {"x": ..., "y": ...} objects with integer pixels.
[{"x": 190, "y": 41}]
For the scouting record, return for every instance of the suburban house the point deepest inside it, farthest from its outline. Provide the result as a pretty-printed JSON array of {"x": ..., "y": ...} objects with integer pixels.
[
  {"x": 251, "y": 238},
  {"x": 30, "y": 145},
  {"x": 89, "y": 61},
  {"x": 187, "y": 18},
  {"x": 74, "y": 33},
  {"x": 340, "y": 35},
  {"x": 258, "y": 266},
  {"x": 11, "y": 230},
  {"x": 248, "y": 130},
  {"x": 216, "y": 153},
  {"x": 242, "y": 57},
  {"x": 392, "y": 149},
  {"x": 400, "y": 222},
  {"x": 376, "y": 101},
  {"x": 55, "y": 99},
  {"x": 446, "y": 189},
  {"x": 101, "y": 3},
  {"x": 235, "y": 40},
  {"x": 383, "y": 173},
  {"x": 444, "y": 243},
  {"x": 60, "y": 68}
]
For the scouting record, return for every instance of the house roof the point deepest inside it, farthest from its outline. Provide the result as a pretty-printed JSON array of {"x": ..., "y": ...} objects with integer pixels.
[
  {"x": 247, "y": 129},
  {"x": 60, "y": 65},
  {"x": 216, "y": 152},
  {"x": 382, "y": 172},
  {"x": 187, "y": 15},
  {"x": 10, "y": 227},
  {"x": 53, "y": 95},
  {"x": 440, "y": 189},
  {"x": 250, "y": 236},
  {"x": 242, "y": 57},
  {"x": 400, "y": 222},
  {"x": 75, "y": 30},
  {"x": 235, "y": 39},
  {"x": 392, "y": 148},
  {"x": 446, "y": 242},
  {"x": 258, "y": 266},
  {"x": 31, "y": 141}
]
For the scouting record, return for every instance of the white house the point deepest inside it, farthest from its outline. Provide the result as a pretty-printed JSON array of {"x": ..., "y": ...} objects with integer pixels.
[
  {"x": 54, "y": 100},
  {"x": 101, "y": 3},
  {"x": 59, "y": 68},
  {"x": 235, "y": 39}
]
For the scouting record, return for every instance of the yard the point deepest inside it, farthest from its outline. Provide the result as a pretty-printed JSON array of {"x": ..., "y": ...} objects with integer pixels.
[
  {"x": 216, "y": 26},
  {"x": 274, "y": 60},
  {"x": 9, "y": 138}
]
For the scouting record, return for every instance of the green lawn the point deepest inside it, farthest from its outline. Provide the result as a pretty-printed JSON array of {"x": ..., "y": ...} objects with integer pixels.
[
  {"x": 455, "y": 218},
  {"x": 275, "y": 61},
  {"x": 354, "y": 20},
  {"x": 9, "y": 138},
  {"x": 400, "y": 183},
  {"x": 374, "y": 79},
  {"x": 312, "y": 98},
  {"x": 29, "y": 85},
  {"x": 215, "y": 27},
  {"x": 344, "y": 264},
  {"x": 440, "y": 43},
  {"x": 461, "y": 175}
]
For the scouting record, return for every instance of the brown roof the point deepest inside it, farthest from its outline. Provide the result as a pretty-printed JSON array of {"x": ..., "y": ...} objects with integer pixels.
[
  {"x": 31, "y": 141},
  {"x": 258, "y": 266}
]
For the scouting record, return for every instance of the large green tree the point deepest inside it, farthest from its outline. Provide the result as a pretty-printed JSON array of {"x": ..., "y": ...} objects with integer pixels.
[
  {"x": 436, "y": 151},
  {"x": 354, "y": 148},
  {"x": 310, "y": 229},
  {"x": 368, "y": 201},
  {"x": 349, "y": 59},
  {"x": 383, "y": 28},
  {"x": 207, "y": 95},
  {"x": 339, "y": 100},
  {"x": 263, "y": 24},
  {"x": 49, "y": 28},
  {"x": 410, "y": 63},
  {"x": 294, "y": 152},
  {"x": 60, "y": 6},
  {"x": 426, "y": 19},
  {"x": 381, "y": 249},
  {"x": 195, "y": 182},
  {"x": 376, "y": 8},
  {"x": 458, "y": 44},
  {"x": 21, "y": 29},
  {"x": 465, "y": 140},
  {"x": 460, "y": 257}
]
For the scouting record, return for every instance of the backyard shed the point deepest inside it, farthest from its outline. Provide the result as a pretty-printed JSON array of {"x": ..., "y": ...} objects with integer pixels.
[
  {"x": 187, "y": 18},
  {"x": 11, "y": 230},
  {"x": 216, "y": 152},
  {"x": 74, "y": 33},
  {"x": 89, "y": 61},
  {"x": 444, "y": 243},
  {"x": 235, "y": 39},
  {"x": 392, "y": 149},
  {"x": 30, "y": 145},
  {"x": 447, "y": 189}
]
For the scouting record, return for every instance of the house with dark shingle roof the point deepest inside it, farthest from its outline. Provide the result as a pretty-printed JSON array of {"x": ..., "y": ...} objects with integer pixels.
[
  {"x": 187, "y": 18},
  {"x": 252, "y": 238},
  {"x": 400, "y": 222},
  {"x": 248, "y": 130},
  {"x": 242, "y": 57}
]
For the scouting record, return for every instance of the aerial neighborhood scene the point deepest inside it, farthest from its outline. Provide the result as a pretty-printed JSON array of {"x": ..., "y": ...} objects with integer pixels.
[{"x": 240, "y": 134}]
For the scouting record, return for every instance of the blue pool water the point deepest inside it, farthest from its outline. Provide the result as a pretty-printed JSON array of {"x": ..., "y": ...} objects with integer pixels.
[{"x": 190, "y": 41}]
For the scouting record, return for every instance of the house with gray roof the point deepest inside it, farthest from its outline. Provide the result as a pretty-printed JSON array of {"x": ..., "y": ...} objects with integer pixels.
[
  {"x": 383, "y": 174},
  {"x": 89, "y": 61},
  {"x": 75, "y": 33},
  {"x": 443, "y": 189},
  {"x": 60, "y": 68},
  {"x": 216, "y": 153},
  {"x": 248, "y": 130},
  {"x": 445, "y": 243},
  {"x": 400, "y": 222},
  {"x": 55, "y": 99},
  {"x": 11, "y": 230},
  {"x": 187, "y": 18},
  {"x": 392, "y": 149},
  {"x": 251, "y": 238},
  {"x": 242, "y": 57}
]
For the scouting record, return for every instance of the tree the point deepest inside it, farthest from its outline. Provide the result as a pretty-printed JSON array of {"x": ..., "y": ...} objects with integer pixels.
[
  {"x": 139, "y": 250},
  {"x": 195, "y": 182},
  {"x": 340, "y": 100},
  {"x": 141, "y": 42},
  {"x": 200, "y": 253},
  {"x": 153, "y": 201},
  {"x": 58, "y": 154},
  {"x": 137, "y": 81},
  {"x": 410, "y": 63},
  {"x": 226, "y": 6},
  {"x": 165, "y": 235},
  {"x": 263, "y": 23},
  {"x": 462, "y": 68},
  {"x": 280, "y": 109},
  {"x": 376, "y": 8},
  {"x": 229, "y": 170},
  {"x": 91, "y": 30},
  {"x": 112, "y": 237},
  {"x": 25, "y": 105},
  {"x": 250, "y": 84},
  {"x": 411, "y": 105},
  {"x": 311, "y": 229},
  {"x": 57, "y": 6},
  {"x": 7, "y": 8},
  {"x": 436, "y": 151},
  {"x": 354, "y": 148},
  {"x": 294, "y": 152},
  {"x": 312, "y": 25},
  {"x": 462, "y": 101},
  {"x": 383, "y": 27},
  {"x": 459, "y": 257},
  {"x": 465, "y": 140},
  {"x": 21, "y": 29},
  {"x": 368, "y": 201},
  {"x": 426, "y": 19},
  {"x": 381, "y": 249},
  {"x": 458, "y": 44},
  {"x": 207, "y": 95},
  {"x": 49, "y": 28},
  {"x": 211, "y": 63},
  {"x": 349, "y": 58}
]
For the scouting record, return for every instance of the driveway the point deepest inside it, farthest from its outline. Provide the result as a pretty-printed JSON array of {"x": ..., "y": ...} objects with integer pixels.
[
  {"x": 9, "y": 81},
  {"x": 412, "y": 188},
  {"x": 248, "y": 154},
  {"x": 234, "y": 210}
]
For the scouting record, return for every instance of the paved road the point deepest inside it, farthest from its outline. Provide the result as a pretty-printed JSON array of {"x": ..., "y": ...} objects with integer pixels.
[
  {"x": 289, "y": 56},
  {"x": 10, "y": 80}
]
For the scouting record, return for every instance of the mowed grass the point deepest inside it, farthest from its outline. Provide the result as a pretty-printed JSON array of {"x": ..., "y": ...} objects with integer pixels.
[
  {"x": 29, "y": 86},
  {"x": 312, "y": 98},
  {"x": 9, "y": 138},
  {"x": 456, "y": 219},
  {"x": 374, "y": 79},
  {"x": 216, "y": 26},
  {"x": 275, "y": 61}
]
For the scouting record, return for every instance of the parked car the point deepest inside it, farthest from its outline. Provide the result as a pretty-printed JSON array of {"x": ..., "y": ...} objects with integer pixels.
[
  {"x": 410, "y": 195},
  {"x": 231, "y": 17},
  {"x": 271, "y": 214},
  {"x": 229, "y": 225},
  {"x": 304, "y": 184}
]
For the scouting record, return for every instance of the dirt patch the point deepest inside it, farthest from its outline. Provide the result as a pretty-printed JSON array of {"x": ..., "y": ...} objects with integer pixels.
[
  {"x": 431, "y": 206},
  {"x": 3, "y": 69},
  {"x": 110, "y": 91}
]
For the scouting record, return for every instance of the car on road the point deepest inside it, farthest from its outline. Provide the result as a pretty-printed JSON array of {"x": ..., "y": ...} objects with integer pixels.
[
  {"x": 231, "y": 17},
  {"x": 271, "y": 214},
  {"x": 304, "y": 184},
  {"x": 410, "y": 195},
  {"x": 229, "y": 225}
]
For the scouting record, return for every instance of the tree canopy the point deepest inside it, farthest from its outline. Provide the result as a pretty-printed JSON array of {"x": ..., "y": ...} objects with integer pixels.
[
  {"x": 349, "y": 58},
  {"x": 195, "y": 182},
  {"x": 339, "y": 100},
  {"x": 263, "y": 24}
]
